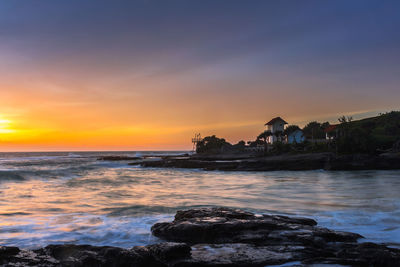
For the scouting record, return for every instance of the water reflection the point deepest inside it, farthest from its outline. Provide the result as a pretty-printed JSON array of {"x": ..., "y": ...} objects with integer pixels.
[{"x": 115, "y": 204}]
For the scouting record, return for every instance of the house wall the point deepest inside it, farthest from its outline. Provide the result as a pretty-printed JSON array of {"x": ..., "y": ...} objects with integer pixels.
[
  {"x": 271, "y": 139},
  {"x": 296, "y": 137},
  {"x": 277, "y": 126},
  {"x": 330, "y": 135}
]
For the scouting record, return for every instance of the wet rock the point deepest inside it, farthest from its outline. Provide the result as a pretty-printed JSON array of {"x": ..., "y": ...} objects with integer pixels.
[
  {"x": 310, "y": 161},
  {"x": 230, "y": 237},
  {"x": 7, "y": 253},
  {"x": 220, "y": 237},
  {"x": 396, "y": 146},
  {"x": 162, "y": 255},
  {"x": 240, "y": 254},
  {"x": 85, "y": 255},
  {"x": 169, "y": 251},
  {"x": 27, "y": 258},
  {"x": 223, "y": 225},
  {"x": 118, "y": 158}
]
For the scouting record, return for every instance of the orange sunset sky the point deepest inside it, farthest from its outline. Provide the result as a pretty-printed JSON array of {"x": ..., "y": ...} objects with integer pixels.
[{"x": 101, "y": 75}]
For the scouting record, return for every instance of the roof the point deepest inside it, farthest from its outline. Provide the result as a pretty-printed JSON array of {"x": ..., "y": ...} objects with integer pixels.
[
  {"x": 330, "y": 128},
  {"x": 276, "y": 120}
]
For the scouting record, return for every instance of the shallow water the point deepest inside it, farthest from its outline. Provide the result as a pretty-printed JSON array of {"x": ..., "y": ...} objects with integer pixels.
[{"x": 48, "y": 198}]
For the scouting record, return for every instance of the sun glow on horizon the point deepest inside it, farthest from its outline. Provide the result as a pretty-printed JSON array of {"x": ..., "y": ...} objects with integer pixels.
[
  {"x": 5, "y": 125},
  {"x": 141, "y": 75}
]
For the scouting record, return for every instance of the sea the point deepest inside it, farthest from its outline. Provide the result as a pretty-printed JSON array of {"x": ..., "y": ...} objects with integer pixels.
[{"x": 72, "y": 197}]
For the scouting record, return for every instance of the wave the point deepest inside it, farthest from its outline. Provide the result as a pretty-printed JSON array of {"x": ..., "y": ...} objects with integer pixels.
[
  {"x": 73, "y": 155},
  {"x": 10, "y": 176},
  {"x": 82, "y": 229},
  {"x": 145, "y": 210},
  {"x": 44, "y": 172},
  {"x": 31, "y": 158}
]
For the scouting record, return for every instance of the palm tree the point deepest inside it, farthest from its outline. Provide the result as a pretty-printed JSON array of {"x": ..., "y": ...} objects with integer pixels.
[{"x": 264, "y": 136}]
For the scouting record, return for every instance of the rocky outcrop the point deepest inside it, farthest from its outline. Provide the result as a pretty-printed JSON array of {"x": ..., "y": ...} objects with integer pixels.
[
  {"x": 220, "y": 237},
  {"x": 385, "y": 161},
  {"x": 396, "y": 147},
  {"x": 312, "y": 161},
  {"x": 227, "y": 237},
  {"x": 162, "y": 255},
  {"x": 271, "y": 163},
  {"x": 118, "y": 158}
]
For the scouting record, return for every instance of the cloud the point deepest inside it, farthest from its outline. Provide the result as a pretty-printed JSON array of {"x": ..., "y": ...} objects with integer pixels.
[{"x": 181, "y": 64}]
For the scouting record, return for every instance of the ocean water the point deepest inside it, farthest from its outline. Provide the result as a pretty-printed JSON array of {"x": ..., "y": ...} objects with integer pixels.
[{"x": 55, "y": 198}]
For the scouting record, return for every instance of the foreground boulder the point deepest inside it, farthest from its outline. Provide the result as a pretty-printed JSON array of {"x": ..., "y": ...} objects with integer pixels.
[
  {"x": 162, "y": 255},
  {"x": 220, "y": 237},
  {"x": 228, "y": 237}
]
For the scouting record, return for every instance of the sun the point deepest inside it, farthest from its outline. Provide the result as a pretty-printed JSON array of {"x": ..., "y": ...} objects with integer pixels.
[{"x": 5, "y": 125}]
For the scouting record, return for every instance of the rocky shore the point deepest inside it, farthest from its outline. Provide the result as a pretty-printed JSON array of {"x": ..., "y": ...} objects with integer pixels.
[
  {"x": 118, "y": 158},
  {"x": 311, "y": 161},
  {"x": 220, "y": 237}
]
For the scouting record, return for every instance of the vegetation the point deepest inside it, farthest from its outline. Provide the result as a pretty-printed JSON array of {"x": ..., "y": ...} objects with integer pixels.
[
  {"x": 240, "y": 146},
  {"x": 264, "y": 136},
  {"x": 315, "y": 130},
  {"x": 255, "y": 143},
  {"x": 371, "y": 135},
  {"x": 290, "y": 129},
  {"x": 215, "y": 145},
  {"x": 211, "y": 144}
]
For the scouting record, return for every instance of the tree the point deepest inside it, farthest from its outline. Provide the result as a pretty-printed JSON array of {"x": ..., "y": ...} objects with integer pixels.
[
  {"x": 290, "y": 129},
  {"x": 264, "y": 136},
  {"x": 345, "y": 119},
  {"x": 241, "y": 143},
  {"x": 314, "y": 130},
  {"x": 325, "y": 125},
  {"x": 240, "y": 146},
  {"x": 211, "y": 144},
  {"x": 344, "y": 126},
  {"x": 256, "y": 143}
]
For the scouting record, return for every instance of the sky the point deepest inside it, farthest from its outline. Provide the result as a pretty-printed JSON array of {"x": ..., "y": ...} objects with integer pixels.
[{"x": 148, "y": 75}]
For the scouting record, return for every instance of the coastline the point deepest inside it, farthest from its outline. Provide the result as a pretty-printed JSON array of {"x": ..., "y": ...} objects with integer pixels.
[
  {"x": 297, "y": 162},
  {"x": 197, "y": 252},
  {"x": 220, "y": 237}
]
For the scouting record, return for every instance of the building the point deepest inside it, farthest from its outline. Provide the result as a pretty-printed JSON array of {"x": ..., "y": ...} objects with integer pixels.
[
  {"x": 276, "y": 127},
  {"x": 296, "y": 137},
  {"x": 331, "y": 132}
]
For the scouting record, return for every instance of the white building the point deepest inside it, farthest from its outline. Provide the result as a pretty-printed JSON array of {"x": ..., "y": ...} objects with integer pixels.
[
  {"x": 331, "y": 132},
  {"x": 296, "y": 137},
  {"x": 276, "y": 127}
]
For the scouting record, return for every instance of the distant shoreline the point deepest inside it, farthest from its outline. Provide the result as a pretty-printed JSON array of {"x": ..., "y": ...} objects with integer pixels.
[{"x": 297, "y": 162}]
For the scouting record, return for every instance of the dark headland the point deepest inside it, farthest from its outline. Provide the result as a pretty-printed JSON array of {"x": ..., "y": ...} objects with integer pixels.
[
  {"x": 371, "y": 143},
  {"x": 220, "y": 237},
  {"x": 297, "y": 162}
]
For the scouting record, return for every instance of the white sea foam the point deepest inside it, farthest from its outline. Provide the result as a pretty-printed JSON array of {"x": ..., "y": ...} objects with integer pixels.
[{"x": 59, "y": 198}]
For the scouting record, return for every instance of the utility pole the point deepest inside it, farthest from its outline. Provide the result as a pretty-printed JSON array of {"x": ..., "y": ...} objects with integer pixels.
[{"x": 195, "y": 140}]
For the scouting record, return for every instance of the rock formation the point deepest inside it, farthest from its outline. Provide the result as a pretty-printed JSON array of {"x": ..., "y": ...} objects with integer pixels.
[{"x": 220, "y": 237}]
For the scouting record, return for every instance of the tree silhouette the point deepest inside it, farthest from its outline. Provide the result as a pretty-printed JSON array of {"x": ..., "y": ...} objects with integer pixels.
[
  {"x": 314, "y": 130},
  {"x": 290, "y": 129},
  {"x": 264, "y": 136}
]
